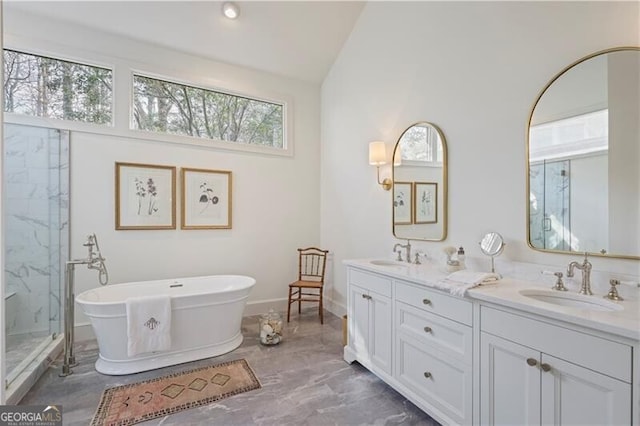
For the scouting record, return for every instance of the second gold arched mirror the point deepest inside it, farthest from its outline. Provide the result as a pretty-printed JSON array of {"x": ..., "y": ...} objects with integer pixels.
[
  {"x": 583, "y": 150},
  {"x": 420, "y": 184}
]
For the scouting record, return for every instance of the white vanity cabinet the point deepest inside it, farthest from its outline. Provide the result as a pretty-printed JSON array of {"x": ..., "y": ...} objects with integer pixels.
[
  {"x": 493, "y": 357},
  {"x": 369, "y": 321},
  {"x": 418, "y": 340},
  {"x": 434, "y": 350},
  {"x": 537, "y": 373}
]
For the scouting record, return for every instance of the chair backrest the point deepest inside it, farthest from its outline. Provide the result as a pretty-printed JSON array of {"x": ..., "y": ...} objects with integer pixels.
[{"x": 311, "y": 264}]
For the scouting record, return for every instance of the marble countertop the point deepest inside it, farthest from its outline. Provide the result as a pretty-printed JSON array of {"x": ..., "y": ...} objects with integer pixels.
[{"x": 506, "y": 292}]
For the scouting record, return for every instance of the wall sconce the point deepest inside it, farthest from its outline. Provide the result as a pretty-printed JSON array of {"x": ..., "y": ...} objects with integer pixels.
[{"x": 378, "y": 157}]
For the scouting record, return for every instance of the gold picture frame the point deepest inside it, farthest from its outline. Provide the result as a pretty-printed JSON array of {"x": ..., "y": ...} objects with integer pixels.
[
  {"x": 145, "y": 196},
  {"x": 425, "y": 202},
  {"x": 402, "y": 203},
  {"x": 206, "y": 199}
]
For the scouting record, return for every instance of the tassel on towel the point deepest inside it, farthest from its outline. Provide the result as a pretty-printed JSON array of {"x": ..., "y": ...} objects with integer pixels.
[
  {"x": 459, "y": 282},
  {"x": 148, "y": 324}
]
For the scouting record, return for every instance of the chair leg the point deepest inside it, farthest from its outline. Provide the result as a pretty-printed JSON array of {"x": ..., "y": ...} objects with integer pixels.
[
  {"x": 289, "y": 306},
  {"x": 299, "y": 300},
  {"x": 321, "y": 309}
]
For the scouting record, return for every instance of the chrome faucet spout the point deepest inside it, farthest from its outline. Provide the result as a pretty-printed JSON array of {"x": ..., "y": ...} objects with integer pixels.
[
  {"x": 585, "y": 267},
  {"x": 395, "y": 250}
]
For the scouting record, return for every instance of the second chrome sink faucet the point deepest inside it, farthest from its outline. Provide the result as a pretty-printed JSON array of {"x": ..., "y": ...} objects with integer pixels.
[{"x": 585, "y": 267}]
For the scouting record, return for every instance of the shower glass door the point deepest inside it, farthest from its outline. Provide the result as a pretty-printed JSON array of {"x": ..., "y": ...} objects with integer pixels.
[
  {"x": 550, "y": 213},
  {"x": 36, "y": 246}
]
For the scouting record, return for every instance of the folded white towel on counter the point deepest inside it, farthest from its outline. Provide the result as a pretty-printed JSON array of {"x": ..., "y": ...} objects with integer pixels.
[
  {"x": 459, "y": 282},
  {"x": 148, "y": 324}
]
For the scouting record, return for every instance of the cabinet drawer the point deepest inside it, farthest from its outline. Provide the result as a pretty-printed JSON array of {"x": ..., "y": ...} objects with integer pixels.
[
  {"x": 604, "y": 356},
  {"x": 450, "y": 337},
  {"x": 377, "y": 283},
  {"x": 441, "y": 382},
  {"x": 435, "y": 302}
]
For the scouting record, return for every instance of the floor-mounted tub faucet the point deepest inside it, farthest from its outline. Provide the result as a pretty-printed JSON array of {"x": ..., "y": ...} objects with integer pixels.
[
  {"x": 585, "y": 267},
  {"x": 94, "y": 260}
]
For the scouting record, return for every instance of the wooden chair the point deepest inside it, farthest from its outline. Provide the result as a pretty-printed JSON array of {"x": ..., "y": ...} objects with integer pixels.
[{"x": 308, "y": 287}]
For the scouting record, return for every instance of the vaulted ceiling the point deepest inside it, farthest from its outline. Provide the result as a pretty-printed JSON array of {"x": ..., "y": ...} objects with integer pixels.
[{"x": 298, "y": 39}]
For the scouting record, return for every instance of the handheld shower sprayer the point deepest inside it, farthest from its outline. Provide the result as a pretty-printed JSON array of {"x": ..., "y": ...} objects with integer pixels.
[{"x": 96, "y": 261}]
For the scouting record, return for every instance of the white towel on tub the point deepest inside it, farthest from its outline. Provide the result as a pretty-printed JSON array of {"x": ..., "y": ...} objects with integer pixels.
[{"x": 148, "y": 324}]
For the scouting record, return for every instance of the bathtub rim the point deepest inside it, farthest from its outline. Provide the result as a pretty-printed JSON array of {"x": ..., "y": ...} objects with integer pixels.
[{"x": 83, "y": 301}]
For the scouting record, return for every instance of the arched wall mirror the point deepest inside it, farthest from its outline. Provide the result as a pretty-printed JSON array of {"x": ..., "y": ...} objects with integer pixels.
[
  {"x": 420, "y": 184},
  {"x": 583, "y": 152}
]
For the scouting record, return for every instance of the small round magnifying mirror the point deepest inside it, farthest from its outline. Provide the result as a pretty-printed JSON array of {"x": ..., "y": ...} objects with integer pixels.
[{"x": 492, "y": 244}]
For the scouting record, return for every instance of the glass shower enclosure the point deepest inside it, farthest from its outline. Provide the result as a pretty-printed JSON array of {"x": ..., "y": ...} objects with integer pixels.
[{"x": 36, "y": 246}]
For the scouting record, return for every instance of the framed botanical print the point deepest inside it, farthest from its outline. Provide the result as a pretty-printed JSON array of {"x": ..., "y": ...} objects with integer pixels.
[
  {"x": 425, "y": 202},
  {"x": 206, "y": 199},
  {"x": 145, "y": 196},
  {"x": 402, "y": 203}
]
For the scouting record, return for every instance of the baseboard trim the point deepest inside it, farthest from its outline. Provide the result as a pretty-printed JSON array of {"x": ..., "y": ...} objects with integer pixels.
[{"x": 263, "y": 306}]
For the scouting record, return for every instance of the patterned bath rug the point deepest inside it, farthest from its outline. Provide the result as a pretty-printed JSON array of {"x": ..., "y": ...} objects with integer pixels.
[{"x": 146, "y": 400}]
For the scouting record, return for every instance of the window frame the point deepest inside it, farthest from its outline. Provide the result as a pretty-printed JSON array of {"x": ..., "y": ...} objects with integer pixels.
[
  {"x": 122, "y": 72},
  {"x": 47, "y": 121},
  {"x": 284, "y": 101}
]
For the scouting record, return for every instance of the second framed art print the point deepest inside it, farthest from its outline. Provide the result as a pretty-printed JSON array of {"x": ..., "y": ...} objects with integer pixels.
[{"x": 206, "y": 199}]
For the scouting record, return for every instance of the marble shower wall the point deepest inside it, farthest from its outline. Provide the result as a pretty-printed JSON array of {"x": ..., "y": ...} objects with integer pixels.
[{"x": 36, "y": 168}]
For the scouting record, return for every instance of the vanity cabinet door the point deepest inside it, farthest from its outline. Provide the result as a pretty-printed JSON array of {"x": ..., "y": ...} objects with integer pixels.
[
  {"x": 359, "y": 320},
  {"x": 370, "y": 327},
  {"x": 380, "y": 332},
  {"x": 573, "y": 395},
  {"x": 510, "y": 383}
]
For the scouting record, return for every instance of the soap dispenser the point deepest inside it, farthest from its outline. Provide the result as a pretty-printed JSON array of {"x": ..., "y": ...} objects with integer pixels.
[{"x": 461, "y": 257}]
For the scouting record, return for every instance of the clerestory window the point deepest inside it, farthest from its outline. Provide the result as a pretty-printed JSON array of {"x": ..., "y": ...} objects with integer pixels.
[
  {"x": 176, "y": 108},
  {"x": 53, "y": 88}
]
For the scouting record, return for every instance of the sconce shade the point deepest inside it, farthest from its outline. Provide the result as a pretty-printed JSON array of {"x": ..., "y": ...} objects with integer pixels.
[{"x": 377, "y": 153}]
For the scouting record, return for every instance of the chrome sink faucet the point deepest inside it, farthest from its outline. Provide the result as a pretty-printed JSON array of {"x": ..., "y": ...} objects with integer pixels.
[
  {"x": 405, "y": 246},
  {"x": 585, "y": 267}
]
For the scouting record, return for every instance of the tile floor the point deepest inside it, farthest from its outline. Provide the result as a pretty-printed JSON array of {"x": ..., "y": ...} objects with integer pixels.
[{"x": 304, "y": 380}]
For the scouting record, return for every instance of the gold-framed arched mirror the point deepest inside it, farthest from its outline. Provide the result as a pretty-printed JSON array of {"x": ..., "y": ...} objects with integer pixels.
[
  {"x": 583, "y": 156},
  {"x": 420, "y": 187}
]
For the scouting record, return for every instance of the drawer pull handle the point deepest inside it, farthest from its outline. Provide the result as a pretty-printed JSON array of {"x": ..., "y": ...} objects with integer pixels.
[
  {"x": 428, "y": 330},
  {"x": 426, "y": 301},
  {"x": 366, "y": 296},
  {"x": 427, "y": 375},
  {"x": 545, "y": 367},
  {"x": 532, "y": 362}
]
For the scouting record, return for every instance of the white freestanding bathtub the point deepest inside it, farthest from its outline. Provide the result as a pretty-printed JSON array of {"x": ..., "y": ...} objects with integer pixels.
[{"x": 206, "y": 313}]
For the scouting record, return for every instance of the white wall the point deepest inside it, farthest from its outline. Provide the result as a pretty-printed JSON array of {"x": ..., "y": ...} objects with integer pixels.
[
  {"x": 473, "y": 69},
  {"x": 275, "y": 198}
]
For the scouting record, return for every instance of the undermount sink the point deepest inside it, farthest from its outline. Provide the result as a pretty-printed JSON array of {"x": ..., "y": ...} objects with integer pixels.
[
  {"x": 384, "y": 262},
  {"x": 572, "y": 300}
]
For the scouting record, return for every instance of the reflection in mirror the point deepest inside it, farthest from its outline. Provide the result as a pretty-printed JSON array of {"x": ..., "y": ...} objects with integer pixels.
[
  {"x": 492, "y": 245},
  {"x": 583, "y": 156},
  {"x": 420, "y": 184}
]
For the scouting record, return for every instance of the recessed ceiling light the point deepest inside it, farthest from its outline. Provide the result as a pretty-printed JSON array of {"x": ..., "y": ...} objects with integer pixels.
[{"x": 230, "y": 10}]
